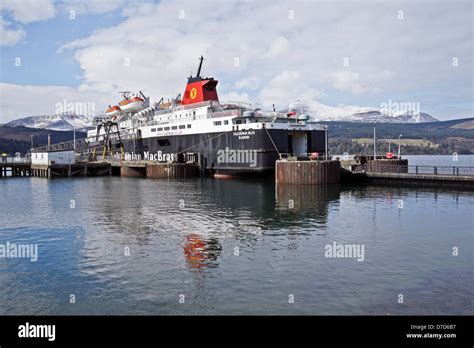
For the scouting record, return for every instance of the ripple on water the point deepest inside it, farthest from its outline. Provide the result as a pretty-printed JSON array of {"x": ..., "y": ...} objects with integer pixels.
[{"x": 233, "y": 247}]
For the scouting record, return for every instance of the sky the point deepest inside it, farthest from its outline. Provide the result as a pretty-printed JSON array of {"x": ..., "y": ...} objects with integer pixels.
[{"x": 362, "y": 53}]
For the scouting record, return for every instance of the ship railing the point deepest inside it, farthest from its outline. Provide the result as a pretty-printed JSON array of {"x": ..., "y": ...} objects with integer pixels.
[
  {"x": 199, "y": 105},
  {"x": 235, "y": 112},
  {"x": 240, "y": 104}
]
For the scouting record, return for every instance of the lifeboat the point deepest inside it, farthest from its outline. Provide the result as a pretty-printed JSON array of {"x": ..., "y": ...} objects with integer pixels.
[
  {"x": 113, "y": 111},
  {"x": 131, "y": 104}
]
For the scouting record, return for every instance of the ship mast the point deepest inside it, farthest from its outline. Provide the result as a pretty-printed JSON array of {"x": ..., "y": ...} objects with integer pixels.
[{"x": 200, "y": 66}]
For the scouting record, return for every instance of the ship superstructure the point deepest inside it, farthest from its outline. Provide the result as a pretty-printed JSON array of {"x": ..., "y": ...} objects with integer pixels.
[{"x": 225, "y": 138}]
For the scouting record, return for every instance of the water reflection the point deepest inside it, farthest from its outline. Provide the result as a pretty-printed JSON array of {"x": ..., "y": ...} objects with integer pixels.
[
  {"x": 200, "y": 252},
  {"x": 280, "y": 232}
]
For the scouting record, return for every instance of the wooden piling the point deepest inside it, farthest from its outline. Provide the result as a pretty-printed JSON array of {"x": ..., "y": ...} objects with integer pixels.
[
  {"x": 307, "y": 172},
  {"x": 133, "y": 171},
  {"x": 172, "y": 170}
]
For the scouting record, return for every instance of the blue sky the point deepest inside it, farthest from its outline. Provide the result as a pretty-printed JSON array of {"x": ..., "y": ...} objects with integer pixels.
[
  {"x": 41, "y": 63},
  {"x": 361, "y": 53}
]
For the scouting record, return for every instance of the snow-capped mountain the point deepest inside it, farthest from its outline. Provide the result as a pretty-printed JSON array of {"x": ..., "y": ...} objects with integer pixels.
[
  {"x": 321, "y": 112},
  {"x": 316, "y": 111},
  {"x": 60, "y": 122}
]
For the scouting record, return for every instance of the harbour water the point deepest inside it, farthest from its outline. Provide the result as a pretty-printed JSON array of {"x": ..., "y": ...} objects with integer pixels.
[{"x": 216, "y": 246}]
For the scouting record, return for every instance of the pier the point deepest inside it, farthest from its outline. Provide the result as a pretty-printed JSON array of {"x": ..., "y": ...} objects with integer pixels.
[
  {"x": 15, "y": 169},
  {"x": 71, "y": 170},
  {"x": 156, "y": 170},
  {"x": 290, "y": 170},
  {"x": 380, "y": 171},
  {"x": 320, "y": 172},
  {"x": 144, "y": 169},
  {"x": 434, "y": 176}
]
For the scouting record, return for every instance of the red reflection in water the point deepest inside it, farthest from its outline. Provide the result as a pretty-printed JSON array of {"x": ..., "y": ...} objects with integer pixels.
[{"x": 199, "y": 252}]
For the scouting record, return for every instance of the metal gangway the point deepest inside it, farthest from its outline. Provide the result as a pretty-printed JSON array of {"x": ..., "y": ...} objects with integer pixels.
[{"x": 84, "y": 147}]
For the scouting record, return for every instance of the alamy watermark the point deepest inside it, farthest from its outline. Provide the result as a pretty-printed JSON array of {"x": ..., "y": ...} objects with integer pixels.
[
  {"x": 77, "y": 108},
  {"x": 13, "y": 251},
  {"x": 340, "y": 250},
  {"x": 237, "y": 156},
  {"x": 28, "y": 330},
  {"x": 397, "y": 108}
]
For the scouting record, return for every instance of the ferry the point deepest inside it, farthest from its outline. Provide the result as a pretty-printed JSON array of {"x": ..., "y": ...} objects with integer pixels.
[{"x": 225, "y": 138}]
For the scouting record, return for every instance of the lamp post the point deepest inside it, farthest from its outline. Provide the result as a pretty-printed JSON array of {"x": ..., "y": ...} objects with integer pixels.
[
  {"x": 399, "y": 137},
  {"x": 326, "y": 142},
  {"x": 74, "y": 129},
  {"x": 375, "y": 151}
]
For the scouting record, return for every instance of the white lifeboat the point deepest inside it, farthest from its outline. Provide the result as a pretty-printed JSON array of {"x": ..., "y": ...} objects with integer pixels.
[
  {"x": 131, "y": 104},
  {"x": 113, "y": 111}
]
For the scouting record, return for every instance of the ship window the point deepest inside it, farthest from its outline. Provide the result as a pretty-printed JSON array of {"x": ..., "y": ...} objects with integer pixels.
[
  {"x": 163, "y": 142},
  {"x": 174, "y": 127},
  {"x": 194, "y": 113},
  {"x": 217, "y": 123},
  {"x": 226, "y": 122},
  {"x": 189, "y": 126},
  {"x": 238, "y": 121},
  {"x": 160, "y": 129},
  {"x": 153, "y": 129},
  {"x": 182, "y": 126},
  {"x": 167, "y": 128}
]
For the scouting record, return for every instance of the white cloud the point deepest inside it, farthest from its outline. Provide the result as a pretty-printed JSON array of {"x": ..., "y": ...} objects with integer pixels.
[
  {"x": 24, "y": 11},
  {"x": 286, "y": 87},
  {"x": 348, "y": 81},
  {"x": 235, "y": 97},
  {"x": 27, "y": 11},
  {"x": 286, "y": 58},
  {"x": 163, "y": 48},
  {"x": 278, "y": 47},
  {"x": 20, "y": 101},
  {"x": 9, "y": 37},
  {"x": 251, "y": 83},
  {"x": 81, "y": 7}
]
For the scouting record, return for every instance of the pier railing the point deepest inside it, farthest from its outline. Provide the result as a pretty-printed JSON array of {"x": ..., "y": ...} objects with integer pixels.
[
  {"x": 16, "y": 160},
  {"x": 304, "y": 157},
  {"x": 424, "y": 170}
]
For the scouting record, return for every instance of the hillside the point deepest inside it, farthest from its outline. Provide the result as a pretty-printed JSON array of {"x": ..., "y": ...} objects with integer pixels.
[
  {"x": 58, "y": 122},
  {"x": 441, "y": 137},
  {"x": 392, "y": 113},
  {"x": 18, "y": 139}
]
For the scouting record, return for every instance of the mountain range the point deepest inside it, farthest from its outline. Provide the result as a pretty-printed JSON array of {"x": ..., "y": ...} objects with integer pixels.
[
  {"x": 316, "y": 111},
  {"x": 320, "y": 112},
  {"x": 59, "y": 122}
]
